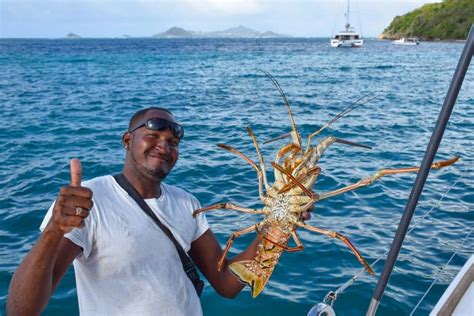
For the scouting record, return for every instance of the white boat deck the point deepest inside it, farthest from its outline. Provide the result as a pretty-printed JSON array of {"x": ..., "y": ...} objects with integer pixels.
[{"x": 458, "y": 299}]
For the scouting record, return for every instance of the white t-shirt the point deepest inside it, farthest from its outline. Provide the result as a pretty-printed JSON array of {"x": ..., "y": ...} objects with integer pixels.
[{"x": 128, "y": 265}]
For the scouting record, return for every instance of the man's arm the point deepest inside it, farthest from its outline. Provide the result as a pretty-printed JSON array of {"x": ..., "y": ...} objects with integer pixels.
[
  {"x": 39, "y": 273},
  {"x": 44, "y": 266},
  {"x": 206, "y": 253}
]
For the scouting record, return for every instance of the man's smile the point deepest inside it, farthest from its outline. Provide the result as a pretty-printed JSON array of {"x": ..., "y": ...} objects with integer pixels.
[{"x": 158, "y": 155}]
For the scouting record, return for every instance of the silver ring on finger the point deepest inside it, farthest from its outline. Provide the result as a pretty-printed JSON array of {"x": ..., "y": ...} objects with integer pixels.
[{"x": 78, "y": 211}]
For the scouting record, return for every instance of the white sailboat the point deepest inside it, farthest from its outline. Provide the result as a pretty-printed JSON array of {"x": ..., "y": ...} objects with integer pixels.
[{"x": 349, "y": 37}]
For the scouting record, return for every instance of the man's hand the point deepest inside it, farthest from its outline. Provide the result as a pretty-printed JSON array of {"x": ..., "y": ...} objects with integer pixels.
[
  {"x": 306, "y": 215},
  {"x": 44, "y": 266},
  {"x": 73, "y": 203}
]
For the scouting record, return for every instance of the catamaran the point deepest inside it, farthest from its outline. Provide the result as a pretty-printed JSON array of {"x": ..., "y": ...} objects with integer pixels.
[{"x": 349, "y": 37}]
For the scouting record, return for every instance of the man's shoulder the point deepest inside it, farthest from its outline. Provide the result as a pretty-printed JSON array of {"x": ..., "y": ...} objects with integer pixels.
[
  {"x": 178, "y": 192},
  {"x": 99, "y": 183}
]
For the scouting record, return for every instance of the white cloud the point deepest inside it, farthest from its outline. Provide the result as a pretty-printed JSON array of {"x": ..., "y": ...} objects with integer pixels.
[{"x": 224, "y": 7}]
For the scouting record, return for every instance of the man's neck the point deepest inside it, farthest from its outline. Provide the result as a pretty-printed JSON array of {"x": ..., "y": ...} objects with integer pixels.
[{"x": 147, "y": 187}]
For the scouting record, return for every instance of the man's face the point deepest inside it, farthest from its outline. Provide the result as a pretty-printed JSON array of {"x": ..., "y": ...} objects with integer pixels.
[{"x": 153, "y": 153}]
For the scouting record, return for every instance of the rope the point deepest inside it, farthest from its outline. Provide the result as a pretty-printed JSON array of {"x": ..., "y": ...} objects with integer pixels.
[
  {"x": 332, "y": 295},
  {"x": 441, "y": 270}
]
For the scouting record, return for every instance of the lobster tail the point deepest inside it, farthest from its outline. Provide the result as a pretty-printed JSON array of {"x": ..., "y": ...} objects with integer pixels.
[{"x": 246, "y": 274}]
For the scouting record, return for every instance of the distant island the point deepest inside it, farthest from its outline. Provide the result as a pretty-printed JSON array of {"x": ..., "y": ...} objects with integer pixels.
[
  {"x": 448, "y": 20},
  {"x": 177, "y": 32},
  {"x": 72, "y": 36},
  {"x": 235, "y": 32}
]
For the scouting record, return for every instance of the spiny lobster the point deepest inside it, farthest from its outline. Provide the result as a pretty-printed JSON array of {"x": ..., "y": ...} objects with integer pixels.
[{"x": 296, "y": 171}]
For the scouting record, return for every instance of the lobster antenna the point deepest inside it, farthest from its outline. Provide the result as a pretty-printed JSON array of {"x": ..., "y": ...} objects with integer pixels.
[
  {"x": 351, "y": 107},
  {"x": 277, "y": 138},
  {"x": 354, "y": 105},
  {"x": 277, "y": 85}
]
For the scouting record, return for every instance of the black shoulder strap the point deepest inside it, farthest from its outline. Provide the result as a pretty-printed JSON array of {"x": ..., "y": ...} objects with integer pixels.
[{"x": 188, "y": 264}]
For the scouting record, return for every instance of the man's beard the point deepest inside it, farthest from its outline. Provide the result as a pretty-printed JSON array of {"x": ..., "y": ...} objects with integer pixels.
[{"x": 156, "y": 174}]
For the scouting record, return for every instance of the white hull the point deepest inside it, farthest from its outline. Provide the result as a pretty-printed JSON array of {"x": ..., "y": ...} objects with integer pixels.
[
  {"x": 409, "y": 44},
  {"x": 347, "y": 43},
  {"x": 406, "y": 41}
]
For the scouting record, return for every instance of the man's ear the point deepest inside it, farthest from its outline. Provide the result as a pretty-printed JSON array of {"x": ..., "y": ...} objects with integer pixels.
[{"x": 126, "y": 139}]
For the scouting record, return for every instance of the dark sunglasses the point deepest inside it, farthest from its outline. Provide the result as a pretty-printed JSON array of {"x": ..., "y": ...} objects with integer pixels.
[{"x": 158, "y": 124}]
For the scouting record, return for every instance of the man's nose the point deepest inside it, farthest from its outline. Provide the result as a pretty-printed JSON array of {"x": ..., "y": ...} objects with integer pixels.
[{"x": 163, "y": 145}]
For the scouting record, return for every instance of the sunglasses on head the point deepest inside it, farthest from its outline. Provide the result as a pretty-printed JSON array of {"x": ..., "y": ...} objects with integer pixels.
[{"x": 158, "y": 124}]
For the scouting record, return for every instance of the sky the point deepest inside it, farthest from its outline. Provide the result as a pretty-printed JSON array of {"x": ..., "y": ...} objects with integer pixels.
[{"x": 143, "y": 18}]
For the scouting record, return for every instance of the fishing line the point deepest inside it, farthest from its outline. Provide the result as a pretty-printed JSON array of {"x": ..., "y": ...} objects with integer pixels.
[
  {"x": 332, "y": 295},
  {"x": 441, "y": 270}
]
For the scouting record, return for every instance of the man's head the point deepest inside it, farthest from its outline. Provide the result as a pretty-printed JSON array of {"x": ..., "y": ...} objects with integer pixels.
[{"x": 152, "y": 143}]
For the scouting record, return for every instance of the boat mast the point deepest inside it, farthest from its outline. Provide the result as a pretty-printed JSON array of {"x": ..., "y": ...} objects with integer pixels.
[{"x": 347, "y": 17}]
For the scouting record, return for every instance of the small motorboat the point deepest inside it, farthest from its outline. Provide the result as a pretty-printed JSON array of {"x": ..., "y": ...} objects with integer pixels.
[{"x": 407, "y": 41}]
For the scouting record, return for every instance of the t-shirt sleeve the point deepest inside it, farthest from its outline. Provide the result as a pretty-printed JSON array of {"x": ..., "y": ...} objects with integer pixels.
[
  {"x": 80, "y": 236},
  {"x": 201, "y": 221}
]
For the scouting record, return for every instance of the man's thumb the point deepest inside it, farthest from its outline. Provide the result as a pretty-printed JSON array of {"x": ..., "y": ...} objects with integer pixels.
[{"x": 76, "y": 172}]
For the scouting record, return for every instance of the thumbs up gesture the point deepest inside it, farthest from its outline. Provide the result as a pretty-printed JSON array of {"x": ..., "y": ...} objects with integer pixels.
[
  {"x": 76, "y": 172},
  {"x": 73, "y": 203}
]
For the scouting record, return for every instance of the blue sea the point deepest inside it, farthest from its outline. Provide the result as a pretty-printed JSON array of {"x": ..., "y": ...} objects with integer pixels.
[{"x": 61, "y": 99}]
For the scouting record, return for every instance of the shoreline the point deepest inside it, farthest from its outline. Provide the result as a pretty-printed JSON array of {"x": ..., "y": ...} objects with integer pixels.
[{"x": 427, "y": 40}]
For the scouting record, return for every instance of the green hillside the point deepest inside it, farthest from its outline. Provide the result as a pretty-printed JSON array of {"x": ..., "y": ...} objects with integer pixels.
[{"x": 448, "y": 20}]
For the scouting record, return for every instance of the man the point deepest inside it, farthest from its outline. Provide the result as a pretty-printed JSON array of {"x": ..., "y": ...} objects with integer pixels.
[{"x": 124, "y": 264}]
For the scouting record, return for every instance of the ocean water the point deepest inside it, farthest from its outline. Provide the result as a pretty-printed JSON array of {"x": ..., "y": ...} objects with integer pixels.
[{"x": 72, "y": 98}]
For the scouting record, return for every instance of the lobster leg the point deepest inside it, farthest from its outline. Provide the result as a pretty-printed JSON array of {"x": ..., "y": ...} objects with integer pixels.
[
  {"x": 290, "y": 148},
  {"x": 260, "y": 158},
  {"x": 384, "y": 172},
  {"x": 291, "y": 162},
  {"x": 299, "y": 245},
  {"x": 295, "y": 181},
  {"x": 344, "y": 239},
  {"x": 229, "y": 243},
  {"x": 228, "y": 206},
  {"x": 285, "y": 150},
  {"x": 291, "y": 184},
  {"x": 261, "y": 176}
]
